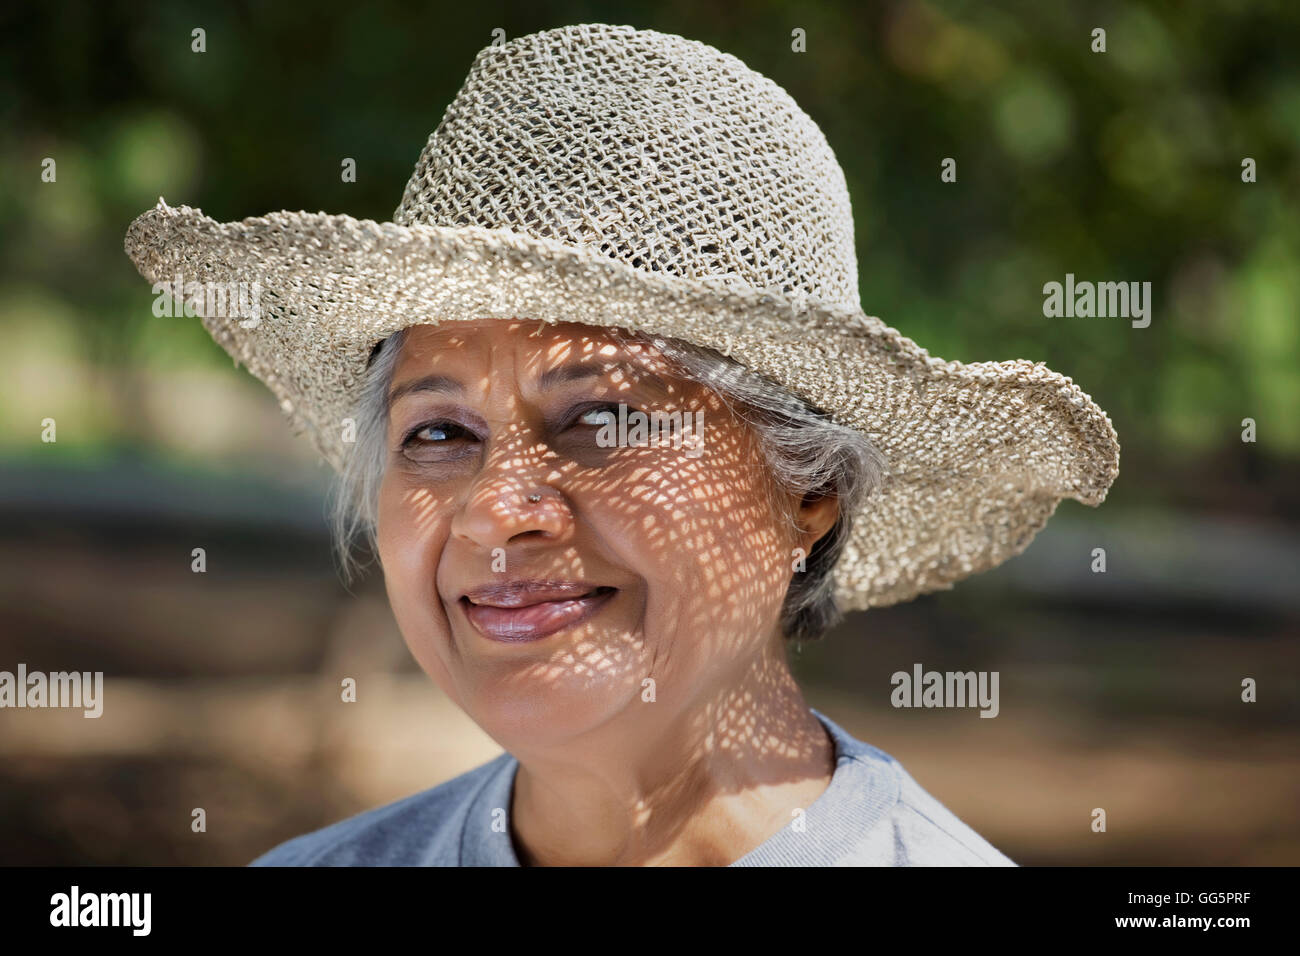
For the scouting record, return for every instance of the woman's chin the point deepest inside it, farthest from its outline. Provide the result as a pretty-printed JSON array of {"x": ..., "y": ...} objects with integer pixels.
[
  {"x": 535, "y": 694},
  {"x": 524, "y": 714}
]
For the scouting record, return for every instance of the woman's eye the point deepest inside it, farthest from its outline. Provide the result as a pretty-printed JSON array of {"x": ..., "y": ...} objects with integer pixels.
[
  {"x": 441, "y": 432},
  {"x": 438, "y": 441},
  {"x": 600, "y": 417}
]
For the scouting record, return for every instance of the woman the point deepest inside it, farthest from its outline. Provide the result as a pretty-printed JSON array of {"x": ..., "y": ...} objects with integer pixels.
[{"x": 605, "y": 403}]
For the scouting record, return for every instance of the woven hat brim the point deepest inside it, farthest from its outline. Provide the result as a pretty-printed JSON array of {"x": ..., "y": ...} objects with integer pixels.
[{"x": 979, "y": 455}]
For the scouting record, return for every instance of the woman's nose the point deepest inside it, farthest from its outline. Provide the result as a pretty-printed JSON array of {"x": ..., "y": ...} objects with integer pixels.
[{"x": 513, "y": 502}]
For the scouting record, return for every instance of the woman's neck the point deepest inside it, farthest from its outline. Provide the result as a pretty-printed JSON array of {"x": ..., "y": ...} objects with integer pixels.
[{"x": 701, "y": 786}]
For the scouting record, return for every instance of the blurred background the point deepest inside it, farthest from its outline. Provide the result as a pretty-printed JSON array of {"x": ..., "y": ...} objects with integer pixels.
[{"x": 1119, "y": 690}]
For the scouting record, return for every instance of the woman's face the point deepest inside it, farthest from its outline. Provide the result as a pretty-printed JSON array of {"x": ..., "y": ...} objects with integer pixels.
[{"x": 545, "y": 620}]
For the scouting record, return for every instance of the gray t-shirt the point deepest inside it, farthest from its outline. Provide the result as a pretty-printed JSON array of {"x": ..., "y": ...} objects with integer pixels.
[{"x": 872, "y": 814}]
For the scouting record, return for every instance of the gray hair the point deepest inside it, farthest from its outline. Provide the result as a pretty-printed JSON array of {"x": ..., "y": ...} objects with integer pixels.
[{"x": 808, "y": 455}]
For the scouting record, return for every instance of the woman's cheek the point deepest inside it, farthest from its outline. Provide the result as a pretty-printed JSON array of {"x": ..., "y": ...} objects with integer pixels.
[
  {"x": 420, "y": 616},
  {"x": 410, "y": 539}
]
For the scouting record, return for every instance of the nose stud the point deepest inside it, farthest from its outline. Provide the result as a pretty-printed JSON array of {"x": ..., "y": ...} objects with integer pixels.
[{"x": 534, "y": 498}]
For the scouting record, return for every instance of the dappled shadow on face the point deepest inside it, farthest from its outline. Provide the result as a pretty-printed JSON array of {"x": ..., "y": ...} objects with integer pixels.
[{"x": 500, "y": 477}]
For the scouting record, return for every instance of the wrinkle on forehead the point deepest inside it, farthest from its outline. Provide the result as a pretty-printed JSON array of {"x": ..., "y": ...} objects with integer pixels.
[{"x": 549, "y": 354}]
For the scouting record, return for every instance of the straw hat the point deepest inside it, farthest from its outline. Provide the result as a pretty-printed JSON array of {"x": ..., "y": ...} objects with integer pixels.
[{"x": 621, "y": 177}]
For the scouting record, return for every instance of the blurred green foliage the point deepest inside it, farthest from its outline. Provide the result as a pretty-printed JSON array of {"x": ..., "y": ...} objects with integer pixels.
[{"x": 1123, "y": 165}]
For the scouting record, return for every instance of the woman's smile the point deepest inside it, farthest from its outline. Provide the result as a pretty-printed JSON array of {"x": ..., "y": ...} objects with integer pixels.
[{"x": 522, "y": 611}]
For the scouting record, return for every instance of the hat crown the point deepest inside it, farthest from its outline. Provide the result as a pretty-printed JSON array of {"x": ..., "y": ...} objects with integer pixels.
[{"x": 652, "y": 149}]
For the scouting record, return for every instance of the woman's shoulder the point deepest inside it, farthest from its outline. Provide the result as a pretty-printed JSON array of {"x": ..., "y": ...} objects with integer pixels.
[
  {"x": 896, "y": 821},
  {"x": 424, "y": 829},
  {"x": 924, "y": 832}
]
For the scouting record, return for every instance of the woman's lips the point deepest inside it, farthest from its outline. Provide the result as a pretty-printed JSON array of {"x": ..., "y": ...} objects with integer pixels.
[{"x": 530, "y": 610}]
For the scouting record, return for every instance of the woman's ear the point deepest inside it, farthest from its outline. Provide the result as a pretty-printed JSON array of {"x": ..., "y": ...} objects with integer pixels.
[{"x": 817, "y": 515}]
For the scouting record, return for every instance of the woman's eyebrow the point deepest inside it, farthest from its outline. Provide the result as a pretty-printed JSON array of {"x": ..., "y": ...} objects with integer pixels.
[
  {"x": 429, "y": 383},
  {"x": 576, "y": 371}
]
